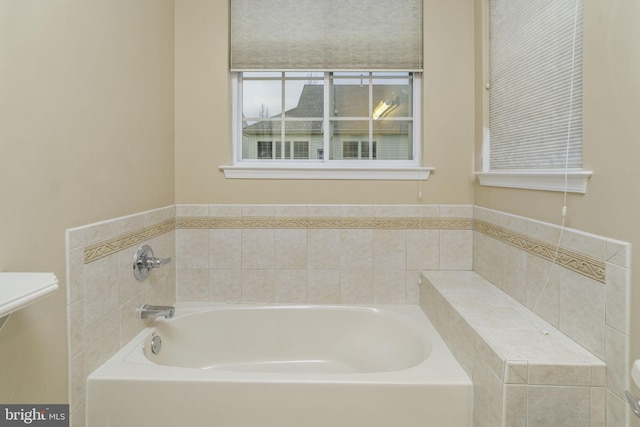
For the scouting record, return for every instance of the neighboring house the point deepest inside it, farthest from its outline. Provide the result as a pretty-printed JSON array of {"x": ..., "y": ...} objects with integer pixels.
[{"x": 350, "y": 121}]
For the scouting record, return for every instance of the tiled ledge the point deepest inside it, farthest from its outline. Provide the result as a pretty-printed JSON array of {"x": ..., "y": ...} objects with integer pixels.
[{"x": 519, "y": 363}]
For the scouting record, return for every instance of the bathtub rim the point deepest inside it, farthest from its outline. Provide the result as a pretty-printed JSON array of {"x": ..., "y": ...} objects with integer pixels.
[{"x": 439, "y": 368}]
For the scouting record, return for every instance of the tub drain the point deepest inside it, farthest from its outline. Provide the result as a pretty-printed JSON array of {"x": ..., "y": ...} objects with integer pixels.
[{"x": 156, "y": 344}]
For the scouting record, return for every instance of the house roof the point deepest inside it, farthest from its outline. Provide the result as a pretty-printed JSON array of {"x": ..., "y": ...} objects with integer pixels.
[{"x": 348, "y": 101}]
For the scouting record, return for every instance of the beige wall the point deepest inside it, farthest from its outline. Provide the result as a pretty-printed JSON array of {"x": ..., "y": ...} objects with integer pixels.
[
  {"x": 203, "y": 116},
  {"x": 611, "y": 206},
  {"x": 86, "y": 134}
]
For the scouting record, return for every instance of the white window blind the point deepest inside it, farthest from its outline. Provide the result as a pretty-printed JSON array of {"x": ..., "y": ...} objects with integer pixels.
[
  {"x": 326, "y": 35},
  {"x": 535, "y": 81}
]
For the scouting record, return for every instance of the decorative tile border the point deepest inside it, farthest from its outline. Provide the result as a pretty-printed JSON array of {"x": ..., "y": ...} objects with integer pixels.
[
  {"x": 574, "y": 261},
  {"x": 111, "y": 246},
  {"x": 327, "y": 223},
  {"x": 101, "y": 249}
]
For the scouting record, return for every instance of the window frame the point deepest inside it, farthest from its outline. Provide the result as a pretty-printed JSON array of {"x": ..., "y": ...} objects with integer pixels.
[
  {"x": 325, "y": 169},
  {"x": 572, "y": 180}
]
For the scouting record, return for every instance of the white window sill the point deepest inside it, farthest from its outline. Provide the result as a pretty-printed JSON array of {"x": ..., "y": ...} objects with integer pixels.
[
  {"x": 326, "y": 172},
  {"x": 572, "y": 181}
]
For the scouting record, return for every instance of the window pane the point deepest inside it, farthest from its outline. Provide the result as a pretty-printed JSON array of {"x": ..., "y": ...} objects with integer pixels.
[
  {"x": 309, "y": 132},
  {"x": 261, "y": 99},
  {"x": 254, "y": 139},
  {"x": 304, "y": 98},
  {"x": 300, "y": 149},
  {"x": 346, "y": 136},
  {"x": 350, "y": 98},
  {"x": 394, "y": 139},
  {"x": 265, "y": 149},
  {"x": 392, "y": 98}
]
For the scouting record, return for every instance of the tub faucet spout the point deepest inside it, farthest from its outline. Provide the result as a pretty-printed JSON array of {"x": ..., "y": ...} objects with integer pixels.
[{"x": 154, "y": 311}]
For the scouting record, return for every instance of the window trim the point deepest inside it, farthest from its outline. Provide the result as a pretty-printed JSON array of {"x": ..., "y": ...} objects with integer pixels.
[{"x": 330, "y": 169}]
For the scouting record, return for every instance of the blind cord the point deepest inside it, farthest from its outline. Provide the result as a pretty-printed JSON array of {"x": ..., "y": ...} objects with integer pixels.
[{"x": 566, "y": 168}]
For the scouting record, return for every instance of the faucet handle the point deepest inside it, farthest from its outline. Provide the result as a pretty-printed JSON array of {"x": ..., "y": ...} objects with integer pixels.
[{"x": 144, "y": 261}]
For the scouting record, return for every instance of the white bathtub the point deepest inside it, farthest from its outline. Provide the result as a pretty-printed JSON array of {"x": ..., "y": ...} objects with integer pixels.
[{"x": 263, "y": 366}]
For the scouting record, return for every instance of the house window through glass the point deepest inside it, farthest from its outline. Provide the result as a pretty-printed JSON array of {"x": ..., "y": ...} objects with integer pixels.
[{"x": 327, "y": 116}]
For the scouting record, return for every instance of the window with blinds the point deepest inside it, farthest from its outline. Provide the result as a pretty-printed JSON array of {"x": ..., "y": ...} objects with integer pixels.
[
  {"x": 535, "y": 84},
  {"x": 328, "y": 72}
]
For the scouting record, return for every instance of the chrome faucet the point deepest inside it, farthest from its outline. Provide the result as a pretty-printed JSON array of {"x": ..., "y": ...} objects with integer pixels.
[
  {"x": 153, "y": 311},
  {"x": 144, "y": 261}
]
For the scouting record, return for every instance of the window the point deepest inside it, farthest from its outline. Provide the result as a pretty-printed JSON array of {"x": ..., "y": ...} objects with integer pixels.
[
  {"x": 534, "y": 89},
  {"x": 344, "y": 80},
  {"x": 358, "y": 150},
  {"x": 364, "y": 110}
]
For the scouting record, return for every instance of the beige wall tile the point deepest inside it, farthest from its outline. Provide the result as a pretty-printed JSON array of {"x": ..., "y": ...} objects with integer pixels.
[
  {"x": 290, "y": 249},
  {"x": 77, "y": 382},
  {"x": 290, "y": 210},
  {"x": 194, "y": 285},
  {"x": 101, "y": 288},
  {"x": 130, "y": 322},
  {"x": 616, "y": 410},
  {"x": 582, "y": 310},
  {"x": 258, "y": 286},
  {"x": 551, "y": 373},
  {"x": 389, "y": 211},
  {"x": 558, "y": 406},
  {"x": 225, "y": 249},
  {"x": 390, "y": 249},
  {"x": 323, "y": 286},
  {"x": 102, "y": 340},
  {"x": 618, "y": 298},
  {"x": 257, "y": 249},
  {"x": 225, "y": 285},
  {"x": 75, "y": 281},
  {"x": 323, "y": 250},
  {"x": 456, "y": 249},
  {"x": 192, "y": 248},
  {"x": 487, "y": 395},
  {"x": 423, "y": 211},
  {"x": 618, "y": 253},
  {"x": 616, "y": 356},
  {"x": 514, "y": 406},
  {"x": 258, "y": 210},
  {"x": 356, "y": 211},
  {"x": 597, "y": 410},
  {"x": 291, "y": 286},
  {"x": 389, "y": 287},
  {"x": 356, "y": 286},
  {"x": 423, "y": 249},
  {"x": 514, "y": 272},
  {"x": 192, "y": 210},
  {"x": 76, "y": 325},
  {"x": 225, "y": 210},
  {"x": 323, "y": 210},
  {"x": 356, "y": 249},
  {"x": 543, "y": 290}
]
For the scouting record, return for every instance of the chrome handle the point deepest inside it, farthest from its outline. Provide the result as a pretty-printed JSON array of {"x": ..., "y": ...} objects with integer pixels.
[
  {"x": 144, "y": 261},
  {"x": 153, "y": 262},
  {"x": 634, "y": 403}
]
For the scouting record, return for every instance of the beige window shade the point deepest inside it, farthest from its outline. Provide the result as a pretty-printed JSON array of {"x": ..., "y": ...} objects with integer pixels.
[
  {"x": 328, "y": 35},
  {"x": 535, "y": 71}
]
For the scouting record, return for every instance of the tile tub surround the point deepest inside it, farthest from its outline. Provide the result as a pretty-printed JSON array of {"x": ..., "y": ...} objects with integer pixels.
[
  {"x": 525, "y": 371},
  {"x": 345, "y": 254},
  {"x": 102, "y": 294},
  {"x": 585, "y": 294},
  {"x": 321, "y": 254}
]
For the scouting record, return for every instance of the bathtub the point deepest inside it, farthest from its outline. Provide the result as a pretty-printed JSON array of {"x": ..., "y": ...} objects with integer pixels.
[{"x": 283, "y": 365}]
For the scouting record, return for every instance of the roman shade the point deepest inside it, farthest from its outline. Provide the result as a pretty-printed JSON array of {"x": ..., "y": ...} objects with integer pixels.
[
  {"x": 535, "y": 75},
  {"x": 328, "y": 35}
]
